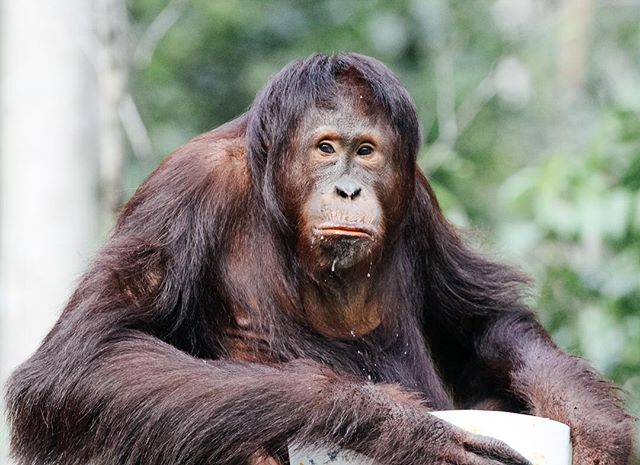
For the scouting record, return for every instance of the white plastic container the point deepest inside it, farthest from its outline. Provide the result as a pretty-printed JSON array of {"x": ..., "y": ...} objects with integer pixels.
[{"x": 542, "y": 441}]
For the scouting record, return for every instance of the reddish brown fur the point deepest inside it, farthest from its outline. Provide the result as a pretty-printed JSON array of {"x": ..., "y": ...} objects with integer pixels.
[{"x": 185, "y": 342}]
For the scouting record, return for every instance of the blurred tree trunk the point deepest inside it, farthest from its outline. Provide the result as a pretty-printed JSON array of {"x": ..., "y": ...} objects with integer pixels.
[
  {"x": 111, "y": 31},
  {"x": 51, "y": 141},
  {"x": 574, "y": 45}
]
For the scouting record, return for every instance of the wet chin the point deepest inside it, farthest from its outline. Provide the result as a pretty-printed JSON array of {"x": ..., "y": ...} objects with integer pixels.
[{"x": 343, "y": 254}]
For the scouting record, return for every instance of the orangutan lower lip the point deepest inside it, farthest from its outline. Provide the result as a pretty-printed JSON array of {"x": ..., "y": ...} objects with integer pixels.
[{"x": 344, "y": 230}]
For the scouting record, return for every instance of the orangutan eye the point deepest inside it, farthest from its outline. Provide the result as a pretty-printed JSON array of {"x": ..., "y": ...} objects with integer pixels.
[
  {"x": 365, "y": 150},
  {"x": 325, "y": 147}
]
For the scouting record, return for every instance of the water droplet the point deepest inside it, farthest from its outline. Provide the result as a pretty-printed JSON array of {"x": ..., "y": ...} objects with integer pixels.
[
  {"x": 405, "y": 352},
  {"x": 333, "y": 265},
  {"x": 368, "y": 275},
  {"x": 353, "y": 333},
  {"x": 369, "y": 377}
]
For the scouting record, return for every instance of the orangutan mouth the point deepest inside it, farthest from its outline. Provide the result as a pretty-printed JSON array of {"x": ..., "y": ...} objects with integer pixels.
[{"x": 348, "y": 230}]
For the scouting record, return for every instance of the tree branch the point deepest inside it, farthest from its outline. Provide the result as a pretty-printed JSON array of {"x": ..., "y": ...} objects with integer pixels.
[
  {"x": 135, "y": 128},
  {"x": 156, "y": 31}
]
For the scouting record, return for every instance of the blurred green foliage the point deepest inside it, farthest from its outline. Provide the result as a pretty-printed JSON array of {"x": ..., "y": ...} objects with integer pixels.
[{"x": 531, "y": 116}]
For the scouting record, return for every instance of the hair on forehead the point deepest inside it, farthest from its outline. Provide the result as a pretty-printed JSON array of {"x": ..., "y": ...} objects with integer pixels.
[
  {"x": 350, "y": 89},
  {"x": 317, "y": 80}
]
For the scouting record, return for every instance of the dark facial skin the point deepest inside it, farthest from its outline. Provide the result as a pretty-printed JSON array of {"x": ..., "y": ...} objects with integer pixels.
[
  {"x": 349, "y": 158},
  {"x": 344, "y": 166}
]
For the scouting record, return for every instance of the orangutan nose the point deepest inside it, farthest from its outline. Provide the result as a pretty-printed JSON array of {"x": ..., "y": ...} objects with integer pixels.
[{"x": 348, "y": 189}]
